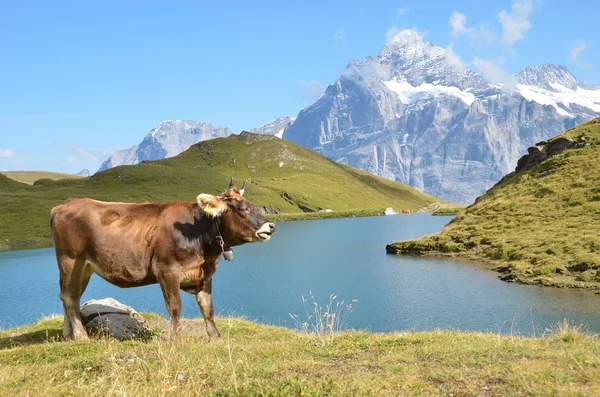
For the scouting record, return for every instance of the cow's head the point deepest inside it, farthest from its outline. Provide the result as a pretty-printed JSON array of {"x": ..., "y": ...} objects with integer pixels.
[{"x": 239, "y": 220}]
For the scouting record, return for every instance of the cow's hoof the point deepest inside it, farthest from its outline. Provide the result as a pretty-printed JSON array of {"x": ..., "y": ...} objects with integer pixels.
[{"x": 77, "y": 337}]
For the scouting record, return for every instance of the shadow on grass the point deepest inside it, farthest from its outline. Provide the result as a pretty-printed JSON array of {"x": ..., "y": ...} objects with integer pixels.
[{"x": 31, "y": 338}]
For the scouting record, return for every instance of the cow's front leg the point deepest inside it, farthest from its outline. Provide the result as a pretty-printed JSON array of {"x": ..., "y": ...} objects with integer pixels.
[
  {"x": 204, "y": 299},
  {"x": 169, "y": 280}
]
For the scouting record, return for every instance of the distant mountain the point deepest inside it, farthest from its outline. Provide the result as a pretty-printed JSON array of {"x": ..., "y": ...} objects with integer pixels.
[
  {"x": 84, "y": 172},
  {"x": 416, "y": 115},
  {"x": 275, "y": 127},
  {"x": 167, "y": 139}
]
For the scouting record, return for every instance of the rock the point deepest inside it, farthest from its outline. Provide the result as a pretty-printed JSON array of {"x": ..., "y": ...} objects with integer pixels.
[
  {"x": 543, "y": 151},
  {"x": 113, "y": 318},
  {"x": 119, "y": 326},
  {"x": 265, "y": 209},
  {"x": 94, "y": 308}
]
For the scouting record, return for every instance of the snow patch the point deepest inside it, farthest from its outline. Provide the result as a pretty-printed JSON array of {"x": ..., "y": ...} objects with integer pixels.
[
  {"x": 561, "y": 94},
  {"x": 409, "y": 94},
  {"x": 281, "y": 164},
  {"x": 404, "y": 140}
]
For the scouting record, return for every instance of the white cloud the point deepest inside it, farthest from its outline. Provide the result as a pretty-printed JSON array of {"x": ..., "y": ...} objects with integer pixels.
[
  {"x": 491, "y": 70},
  {"x": 458, "y": 23},
  {"x": 515, "y": 23},
  {"x": 339, "y": 35},
  {"x": 310, "y": 88},
  {"x": 402, "y": 11},
  {"x": 6, "y": 153},
  {"x": 576, "y": 49},
  {"x": 477, "y": 35},
  {"x": 84, "y": 157},
  {"x": 454, "y": 59},
  {"x": 390, "y": 34}
]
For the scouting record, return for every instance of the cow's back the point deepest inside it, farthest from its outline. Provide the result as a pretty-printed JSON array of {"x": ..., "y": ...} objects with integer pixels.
[{"x": 118, "y": 239}]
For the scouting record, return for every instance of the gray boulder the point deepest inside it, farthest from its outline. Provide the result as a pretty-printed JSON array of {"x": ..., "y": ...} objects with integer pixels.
[{"x": 113, "y": 318}]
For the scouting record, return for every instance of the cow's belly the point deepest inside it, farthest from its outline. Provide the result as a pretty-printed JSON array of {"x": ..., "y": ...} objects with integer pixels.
[{"x": 121, "y": 274}]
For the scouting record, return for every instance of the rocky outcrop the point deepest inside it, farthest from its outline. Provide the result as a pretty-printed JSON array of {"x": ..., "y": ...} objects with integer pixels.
[
  {"x": 543, "y": 151},
  {"x": 110, "y": 317},
  {"x": 265, "y": 209}
]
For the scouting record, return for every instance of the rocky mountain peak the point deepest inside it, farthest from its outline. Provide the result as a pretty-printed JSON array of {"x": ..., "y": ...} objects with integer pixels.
[
  {"x": 275, "y": 127},
  {"x": 547, "y": 76},
  {"x": 409, "y": 46},
  {"x": 409, "y": 57},
  {"x": 167, "y": 139}
]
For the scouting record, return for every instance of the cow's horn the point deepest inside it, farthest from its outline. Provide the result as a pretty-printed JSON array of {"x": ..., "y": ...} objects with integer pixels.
[
  {"x": 243, "y": 189},
  {"x": 230, "y": 183}
]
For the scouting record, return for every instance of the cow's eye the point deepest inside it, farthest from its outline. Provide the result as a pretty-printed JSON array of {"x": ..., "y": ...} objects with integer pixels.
[{"x": 244, "y": 209}]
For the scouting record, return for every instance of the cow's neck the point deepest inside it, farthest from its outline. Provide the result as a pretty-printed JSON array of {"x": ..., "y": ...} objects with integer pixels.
[{"x": 225, "y": 249}]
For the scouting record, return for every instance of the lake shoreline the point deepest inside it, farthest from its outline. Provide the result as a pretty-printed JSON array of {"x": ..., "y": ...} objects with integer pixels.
[{"x": 495, "y": 267}]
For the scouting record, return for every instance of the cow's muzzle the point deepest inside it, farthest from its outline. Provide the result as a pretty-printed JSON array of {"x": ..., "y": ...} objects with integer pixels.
[{"x": 264, "y": 233}]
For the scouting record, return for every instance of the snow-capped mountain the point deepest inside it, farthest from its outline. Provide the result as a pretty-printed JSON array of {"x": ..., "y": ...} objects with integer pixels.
[
  {"x": 556, "y": 86},
  {"x": 417, "y": 115},
  {"x": 167, "y": 139},
  {"x": 84, "y": 172},
  {"x": 275, "y": 127}
]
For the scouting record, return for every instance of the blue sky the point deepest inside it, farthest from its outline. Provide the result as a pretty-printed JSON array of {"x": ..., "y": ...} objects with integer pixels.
[{"x": 81, "y": 79}]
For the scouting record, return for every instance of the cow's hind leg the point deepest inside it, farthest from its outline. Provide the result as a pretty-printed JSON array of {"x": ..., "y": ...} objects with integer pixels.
[
  {"x": 204, "y": 299},
  {"x": 71, "y": 289}
]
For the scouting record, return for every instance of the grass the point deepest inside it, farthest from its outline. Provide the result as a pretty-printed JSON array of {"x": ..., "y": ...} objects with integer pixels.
[
  {"x": 29, "y": 177},
  {"x": 256, "y": 359},
  {"x": 325, "y": 215},
  {"x": 282, "y": 175},
  {"x": 535, "y": 227},
  {"x": 449, "y": 210},
  {"x": 323, "y": 324}
]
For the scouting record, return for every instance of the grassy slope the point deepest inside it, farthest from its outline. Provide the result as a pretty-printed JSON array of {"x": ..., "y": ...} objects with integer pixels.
[
  {"x": 263, "y": 360},
  {"x": 31, "y": 176},
  {"x": 274, "y": 166},
  {"x": 539, "y": 226}
]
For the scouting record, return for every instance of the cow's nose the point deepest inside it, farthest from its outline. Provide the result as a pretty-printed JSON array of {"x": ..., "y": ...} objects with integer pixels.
[{"x": 272, "y": 227}]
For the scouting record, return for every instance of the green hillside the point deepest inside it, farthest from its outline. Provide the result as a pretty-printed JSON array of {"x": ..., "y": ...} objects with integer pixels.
[
  {"x": 282, "y": 175},
  {"x": 30, "y": 177},
  {"x": 538, "y": 226}
]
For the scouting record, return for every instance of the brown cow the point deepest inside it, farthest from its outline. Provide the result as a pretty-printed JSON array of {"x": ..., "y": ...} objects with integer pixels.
[{"x": 177, "y": 245}]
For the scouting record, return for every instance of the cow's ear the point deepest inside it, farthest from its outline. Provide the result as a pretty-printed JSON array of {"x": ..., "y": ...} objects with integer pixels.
[{"x": 212, "y": 205}]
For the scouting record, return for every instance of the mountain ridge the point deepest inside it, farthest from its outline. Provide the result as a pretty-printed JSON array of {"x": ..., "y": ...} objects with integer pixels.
[{"x": 410, "y": 114}]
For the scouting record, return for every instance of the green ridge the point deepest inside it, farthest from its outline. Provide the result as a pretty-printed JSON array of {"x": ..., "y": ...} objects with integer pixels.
[
  {"x": 277, "y": 170},
  {"x": 540, "y": 226},
  {"x": 29, "y": 177}
]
